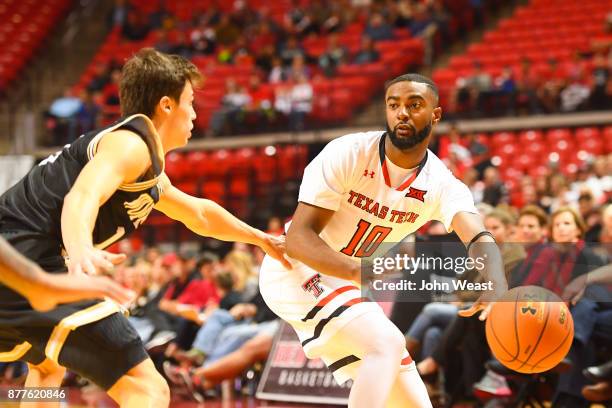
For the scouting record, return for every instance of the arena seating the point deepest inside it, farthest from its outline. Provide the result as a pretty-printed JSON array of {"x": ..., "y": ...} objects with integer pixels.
[
  {"x": 542, "y": 30},
  {"x": 23, "y": 26},
  {"x": 336, "y": 99},
  {"x": 534, "y": 152},
  {"x": 236, "y": 178}
]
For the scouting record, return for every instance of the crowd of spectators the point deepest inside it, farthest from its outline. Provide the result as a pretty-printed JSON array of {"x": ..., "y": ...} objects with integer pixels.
[
  {"x": 581, "y": 83},
  {"x": 274, "y": 46},
  {"x": 555, "y": 233}
]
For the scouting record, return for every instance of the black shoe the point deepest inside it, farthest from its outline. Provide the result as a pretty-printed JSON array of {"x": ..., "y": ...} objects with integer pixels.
[{"x": 599, "y": 373}]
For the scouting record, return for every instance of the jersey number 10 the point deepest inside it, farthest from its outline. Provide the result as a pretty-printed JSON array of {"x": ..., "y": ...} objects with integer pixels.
[{"x": 374, "y": 238}]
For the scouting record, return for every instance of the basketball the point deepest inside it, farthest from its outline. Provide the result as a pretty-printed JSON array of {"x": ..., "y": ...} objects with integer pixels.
[{"x": 530, "y": 330}]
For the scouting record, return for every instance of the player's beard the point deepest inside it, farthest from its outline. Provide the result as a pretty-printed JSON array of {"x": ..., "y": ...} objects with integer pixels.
[{"x": 409, "y": 142}]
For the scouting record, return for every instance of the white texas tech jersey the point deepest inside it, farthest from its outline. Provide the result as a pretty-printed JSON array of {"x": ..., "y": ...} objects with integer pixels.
[{"x": 349, "y": 177}]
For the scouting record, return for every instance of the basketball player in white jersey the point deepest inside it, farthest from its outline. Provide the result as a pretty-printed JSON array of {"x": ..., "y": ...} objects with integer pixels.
[{"x": 362, "y": 190}]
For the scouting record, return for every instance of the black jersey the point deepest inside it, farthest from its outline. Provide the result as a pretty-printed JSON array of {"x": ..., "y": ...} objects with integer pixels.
[{"x": 35, "y": 203}]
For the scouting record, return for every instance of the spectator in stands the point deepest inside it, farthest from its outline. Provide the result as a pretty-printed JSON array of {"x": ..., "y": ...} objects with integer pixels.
[
  {"x": 569, "y": 258},
  {"x": 63, "y": 118},
  {"x": 334, "y": 55},
  {"x": 527, "y": 83},
  {"x": 160, "y": 17},
  {"x": 505, "y": 92},
  {"x": 162, "y": 43},
  {"x": 110, "y": 93},
  {"x": 605, "y": 233},
  {"x": 301, "y": 97},
  {"x": 554, "y": 78},
  {"x": 367, "y": 52},
  {"x": 378, "y": 29},
  {"x": 136, "y": 27},
  {"x": 441, "y": 18},
  {"x": 264, "y": 37},
  {"x": 277, "y": 71},
  {"x": 100, "y": 78},
  {"x": 254, "y": 350},
  {"x": 199, "y": 296},
  {"x": 261, "y": 107},
  {"x": 225, "y": 333},
  {"x": 298, "y": 21},
  {"x": 333, "y": 22},
  {"x": 289, "y": 50},
  {"x": 119, "y": 13},
  {"x": 575, "y": 96},
  {"x": 479, "y": 153},
  {"x": 475, "y": 89},
  {"x": 297, "y": 69},
  {"x": 91, "y": 108},
  {"x": 212, "y": 322},
  {"x": 422, "y": 24},
  {"x": 226, "y": 32},
  {"x": 532, "y": 225},
  {"x": 229, "y": 116},
  {"x": 181, "y": 45},
  {"x": 239, "y": 262},
  {"x": 203, "y": 39},
  {"x": 495, "y": 191},
  {"x": 601, "y": 97},
  {"x": 241, "y": 55},
  {"x": 470, "y": 179}
]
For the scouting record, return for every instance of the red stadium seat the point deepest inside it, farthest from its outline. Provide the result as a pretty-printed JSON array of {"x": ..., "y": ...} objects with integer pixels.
[
  {"x": 529, "y": 136},
  {"x": 555, "y": 135},
  {"x": 503, "y": 138},
  {"x": 175, "y": 166}
]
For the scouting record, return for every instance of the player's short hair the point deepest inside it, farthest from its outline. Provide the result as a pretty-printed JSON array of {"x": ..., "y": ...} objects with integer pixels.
[
  {"x": 414, "y": 78},
  {"x": 150, "y": 75},
  {"x": 535, "y": 211}
]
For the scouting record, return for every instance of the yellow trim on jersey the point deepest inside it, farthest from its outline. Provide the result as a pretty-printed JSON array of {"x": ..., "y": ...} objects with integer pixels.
[
  {"x": 139, "y": 186},
  {"x": 16, "y": 353},
  {"x": 92, "y": 148},
  {"x": 86, "y": 316},
  {"x": 108, "y": 242}
]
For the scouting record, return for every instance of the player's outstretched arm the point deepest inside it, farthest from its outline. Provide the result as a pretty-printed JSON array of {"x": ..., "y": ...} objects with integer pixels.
[
  {"x": 468, "y": 226},
  {"x": 44, "y": 291},
  {"x": 122, "y": 157},
  {"x": 305, "y": 244},
  {"x": 207, "y": 218}
]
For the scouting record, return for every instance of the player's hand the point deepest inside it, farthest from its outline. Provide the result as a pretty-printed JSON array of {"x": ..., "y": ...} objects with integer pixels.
[
  {"x": 574, "y": 291},
  {"x": 54, "y": 289},
  {"x": 478, "y": 306},
  {"x": 275, "y": 247},
  {"x": 92, "y": 260},
  {"x": 483, "y": 304}
]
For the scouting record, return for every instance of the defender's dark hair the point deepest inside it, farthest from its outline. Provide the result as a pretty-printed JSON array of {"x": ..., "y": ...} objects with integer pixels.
[
  {"x": 149, "y": 76},
  {"x": 414, "y": 78}
]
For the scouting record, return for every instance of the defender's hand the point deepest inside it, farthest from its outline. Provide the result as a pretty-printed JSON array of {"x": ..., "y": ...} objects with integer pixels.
[{"x": 275, "y": 247}]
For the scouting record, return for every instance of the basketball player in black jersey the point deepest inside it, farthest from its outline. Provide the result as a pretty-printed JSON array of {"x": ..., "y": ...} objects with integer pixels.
[
  {"x": 45, "y": 291},
  {"x": 74, "y": 204}
]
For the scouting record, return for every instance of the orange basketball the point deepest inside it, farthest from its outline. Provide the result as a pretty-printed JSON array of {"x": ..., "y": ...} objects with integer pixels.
[{"x": 530, "y": 330}]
